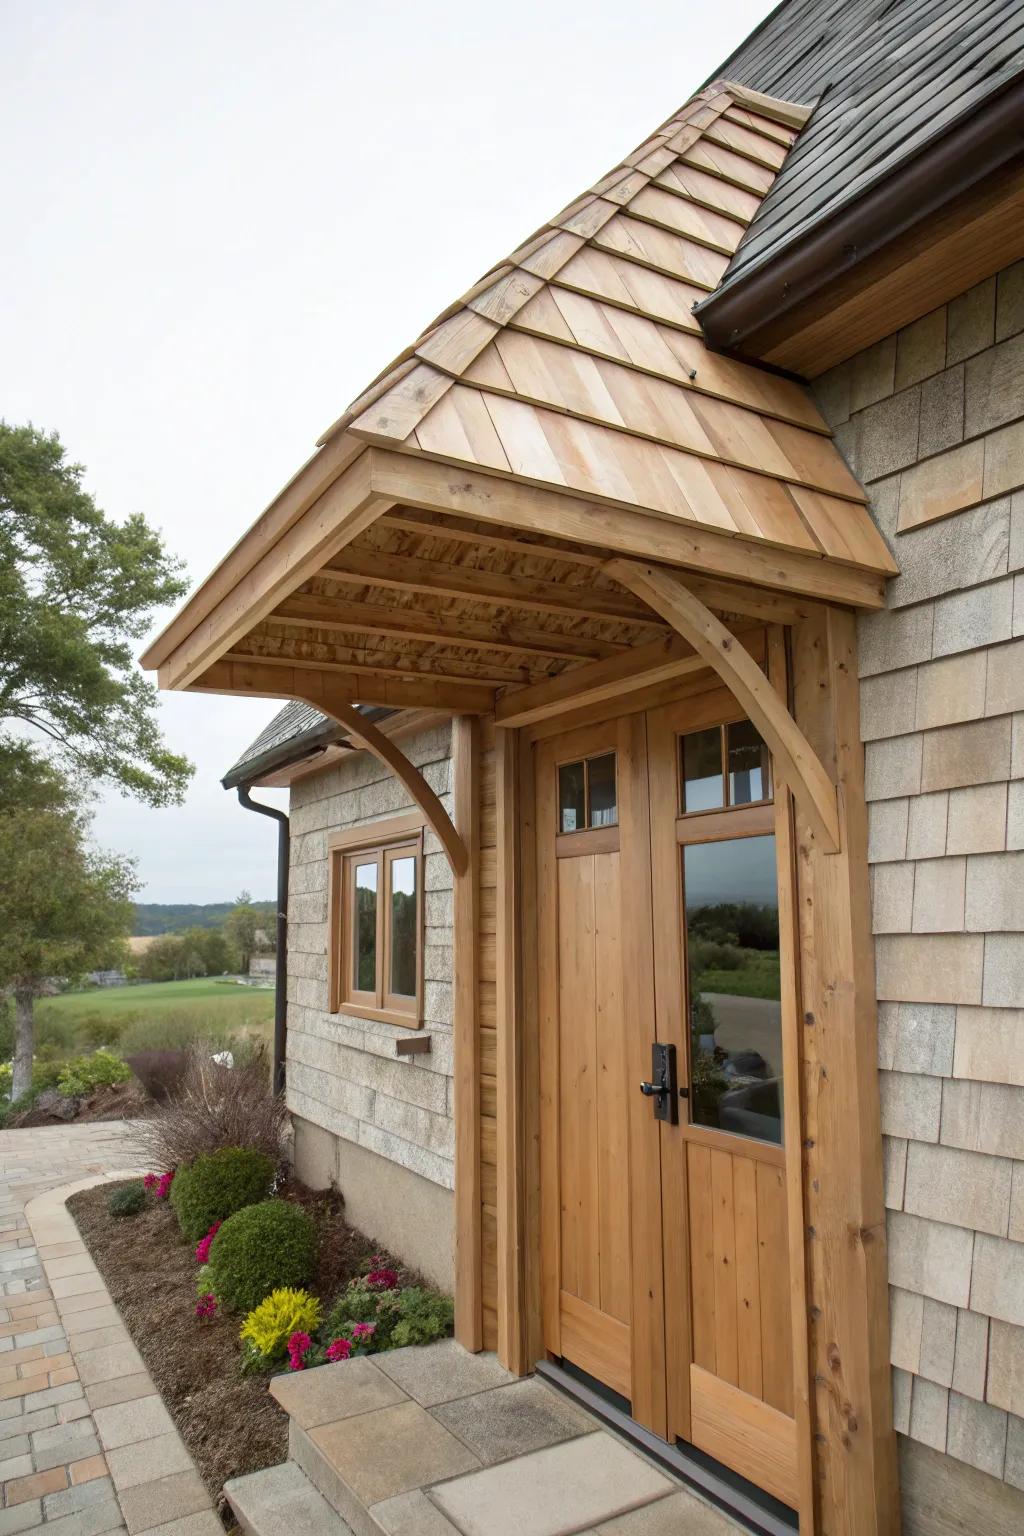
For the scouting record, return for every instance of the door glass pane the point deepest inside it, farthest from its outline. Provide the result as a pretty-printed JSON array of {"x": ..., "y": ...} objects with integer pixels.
[
  {"x": 748, "y": 764},
  {"x": 403, "y": 926},
  {"x": 572, "y": 804},
  {"x": 604, "y": 810},
  {"x": 732, "y": 945},
  {"x": 365, "y": 928},
  {"x": 701, "y": 755}
]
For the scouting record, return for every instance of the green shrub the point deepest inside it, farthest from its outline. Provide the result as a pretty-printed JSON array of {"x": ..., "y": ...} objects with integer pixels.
[
  {"x": 97, "y": 1029},
  {"x": 85, "y": 1073},
  {"x": 261, "y": 1249},
  {"x": 127, "y": 1201},
  {"x": 217, "y": 1185},
  {"x": 413, "y": 1315},
  {"x": 267, "y": 1329}
]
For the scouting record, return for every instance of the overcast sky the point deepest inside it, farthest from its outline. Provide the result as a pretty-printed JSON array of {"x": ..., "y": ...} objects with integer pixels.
[{"x": 222, "y": 218}]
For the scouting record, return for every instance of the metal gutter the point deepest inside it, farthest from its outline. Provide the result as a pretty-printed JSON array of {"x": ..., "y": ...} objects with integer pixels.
[
  {"x": 971, "y": 151},
  {"x": 281, "y": 976},
  {"x": 307, "y": 744}
]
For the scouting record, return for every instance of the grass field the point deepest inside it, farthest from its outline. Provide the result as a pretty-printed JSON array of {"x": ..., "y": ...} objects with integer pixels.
[{"x": 155, "y": 1014}]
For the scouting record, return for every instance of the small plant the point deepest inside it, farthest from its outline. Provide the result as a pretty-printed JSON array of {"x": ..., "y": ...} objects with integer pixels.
[
  {"x": 206, "y": 1307},
  {"x": 299, "y": 1346},
  {"x": 375, "y": 1319},
  {"x": 217, "y": 1185},
  {"x": 286, "y": 1313},
  {"x": 158, "y": 1184},
  {"x": 260, "y": 1249},
  {"x": 203, "y": 1245},
  {"x": 127, "y": 1201},
  {"x": 84, "y": 1074},
  {"x": 6, "y": 1078}
]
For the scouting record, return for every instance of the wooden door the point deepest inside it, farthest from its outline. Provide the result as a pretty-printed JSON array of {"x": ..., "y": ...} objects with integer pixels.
[
  {"x": 720, "y": 968},
  {"x": 600, "y": 1151}
]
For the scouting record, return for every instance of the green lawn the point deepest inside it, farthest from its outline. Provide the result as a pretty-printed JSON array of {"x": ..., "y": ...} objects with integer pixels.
[{"x": 154, "y": 1015}]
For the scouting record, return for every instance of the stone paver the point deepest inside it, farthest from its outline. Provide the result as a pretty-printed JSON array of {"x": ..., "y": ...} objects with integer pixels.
[{"x": 86, "y": 1444}]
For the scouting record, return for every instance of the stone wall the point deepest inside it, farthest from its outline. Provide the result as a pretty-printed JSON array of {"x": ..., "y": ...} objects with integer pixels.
[
  {"x": 343, "y": 1073},
  {"x": 932, "y": 421}
]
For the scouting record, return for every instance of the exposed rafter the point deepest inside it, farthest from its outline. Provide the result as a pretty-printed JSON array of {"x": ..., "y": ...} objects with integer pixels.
[{"x": 288, "y": 680}]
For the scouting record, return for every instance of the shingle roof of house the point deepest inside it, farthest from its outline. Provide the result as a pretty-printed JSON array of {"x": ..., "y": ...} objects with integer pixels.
[{"x": 887, "y": 78}]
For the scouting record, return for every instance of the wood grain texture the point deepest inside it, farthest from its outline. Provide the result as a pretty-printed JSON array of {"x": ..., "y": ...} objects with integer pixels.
[{"x": 469, "y": 1275}]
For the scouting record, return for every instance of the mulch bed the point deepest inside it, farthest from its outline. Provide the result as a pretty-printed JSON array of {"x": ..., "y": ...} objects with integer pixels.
[
  {"x": 119, "y": 1101},
  {"x": 229, "y": 1422}
]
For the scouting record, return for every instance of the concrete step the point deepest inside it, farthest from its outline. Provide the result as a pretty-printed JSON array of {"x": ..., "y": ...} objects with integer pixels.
[{"x": 282, "y": 1499}]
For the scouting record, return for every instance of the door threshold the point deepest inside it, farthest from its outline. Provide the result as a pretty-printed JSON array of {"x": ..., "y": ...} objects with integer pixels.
[{"x": 741, "y": 1499}]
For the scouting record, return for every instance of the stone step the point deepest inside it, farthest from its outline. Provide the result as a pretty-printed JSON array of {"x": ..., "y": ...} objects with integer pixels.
[{"x": 282, "y": 1499}]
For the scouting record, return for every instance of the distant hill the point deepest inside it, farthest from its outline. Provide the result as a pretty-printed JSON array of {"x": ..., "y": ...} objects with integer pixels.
[{"x": 153, "y": 917}]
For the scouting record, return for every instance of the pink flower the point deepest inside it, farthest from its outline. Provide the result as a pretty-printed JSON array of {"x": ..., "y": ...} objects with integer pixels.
[
  {"x": 206, "y": 1306},
  {"x": 203, "y": 1246},
  {"x": 149, "y": 1181},
  {"x": 298, "y": 1345},
  {"x": 364, "y": 1330},
  {"x": 163, "y": 1187},
  {"x": 340, "y": 1349},
  {"x": 382, "y": 1279}
]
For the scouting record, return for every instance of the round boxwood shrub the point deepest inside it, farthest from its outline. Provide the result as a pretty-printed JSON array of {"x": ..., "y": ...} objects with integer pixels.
[
  {"x": 128, "y": 1201},
  {"x": 261, "y": 1249},
  {"x": 217, "y": 1185}
]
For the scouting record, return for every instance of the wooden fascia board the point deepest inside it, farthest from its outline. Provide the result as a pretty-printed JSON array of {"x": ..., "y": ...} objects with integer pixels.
[
  {"x": 274, "y": 680},
  {"x": 418, "y": 481},
  {"x": 305, "y": 488},
  {"x": 799, "y": 764},
  {"x": 347, "y": 507}
]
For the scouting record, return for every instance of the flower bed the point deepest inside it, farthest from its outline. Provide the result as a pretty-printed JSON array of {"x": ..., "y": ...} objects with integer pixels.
[{"x": 213, "y": 1381}]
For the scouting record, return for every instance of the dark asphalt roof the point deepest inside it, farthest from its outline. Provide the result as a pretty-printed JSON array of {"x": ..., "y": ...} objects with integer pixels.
[{"x": 888, "y": 77}]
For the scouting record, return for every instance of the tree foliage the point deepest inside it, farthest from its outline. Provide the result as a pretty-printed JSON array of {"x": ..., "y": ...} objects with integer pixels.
[
  {"x": 76, "y": 592},
  {"x": 181, "y": 956},
  {"x": 242, "y": 927},
  {"x": 65, "y": 907}
]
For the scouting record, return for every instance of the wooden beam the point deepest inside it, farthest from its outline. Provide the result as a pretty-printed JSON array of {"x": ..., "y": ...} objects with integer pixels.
[
  {"x": 415, "y": 480},
  {"x": 273, "y": 680},
  {"x": 349, "y": 506},
  {"x": 375, "y": 568},
  {"x": 335, "y": 613},
  {"x": 468, "y": 1213},
  {"x": 396, "y": 668},
  {"x": 600, "y": 680},
  {"x": 854, "y": 1445},
  {"x": 801, "y": 768}
]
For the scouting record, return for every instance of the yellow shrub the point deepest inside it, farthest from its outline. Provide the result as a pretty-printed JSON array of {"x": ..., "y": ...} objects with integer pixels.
[{"x": 269, "y": 1326}]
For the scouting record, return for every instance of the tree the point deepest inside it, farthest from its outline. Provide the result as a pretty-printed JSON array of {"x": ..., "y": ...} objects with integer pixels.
[
  {"x": 240, "y": 929},
  {"x": 76, "y": 590},
  {"x": 65, "y": 909}
]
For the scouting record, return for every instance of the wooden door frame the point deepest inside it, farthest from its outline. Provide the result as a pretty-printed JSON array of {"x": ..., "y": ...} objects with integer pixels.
[{"x": 847, "y": 1477}]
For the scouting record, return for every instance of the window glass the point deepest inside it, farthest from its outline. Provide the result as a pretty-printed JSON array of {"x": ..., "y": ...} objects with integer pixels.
[
  {"x": 403, "y": 926},
  {"x": 601, "y": 800},
  {"x": 572, "y": 801},
  {"x": 732, "y": 945},
  {"x": 365, "y": 927},
  {"x": 747, "y": 764},
  {"x": 701, "y": 755}
]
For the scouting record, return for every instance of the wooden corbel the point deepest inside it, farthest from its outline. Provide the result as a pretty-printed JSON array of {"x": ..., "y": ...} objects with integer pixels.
[
  {"x": 389, "y": 753},
  {"x": 805, "y": 776}
]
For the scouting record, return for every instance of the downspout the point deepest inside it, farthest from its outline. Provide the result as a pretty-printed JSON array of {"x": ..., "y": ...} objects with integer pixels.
[{"x": 281, "y": 978}]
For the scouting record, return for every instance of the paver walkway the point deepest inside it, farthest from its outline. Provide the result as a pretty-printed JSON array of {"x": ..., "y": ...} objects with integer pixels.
[{"x": 86, "y": 1444}]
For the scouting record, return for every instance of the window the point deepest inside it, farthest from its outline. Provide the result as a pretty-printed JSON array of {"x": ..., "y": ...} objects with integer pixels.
[
  {"x": 376, "y": 922},
  {"x": 724, "y": 766},
  {"x": 587, "y": 795}
]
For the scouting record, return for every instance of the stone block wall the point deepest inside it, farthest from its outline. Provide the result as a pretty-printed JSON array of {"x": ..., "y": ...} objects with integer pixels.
[
  {"x": 343, "y": 1073},
  {"x": 932, "y": 421}
]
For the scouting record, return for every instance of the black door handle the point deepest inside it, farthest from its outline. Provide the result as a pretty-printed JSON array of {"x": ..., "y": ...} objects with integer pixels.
[{"x": 662, "y": 1087}]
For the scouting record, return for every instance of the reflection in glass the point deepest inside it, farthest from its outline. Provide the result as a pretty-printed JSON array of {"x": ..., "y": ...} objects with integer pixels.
[
  {"x": 403, "y": 926},
  {"x": 702, "y": 770},
  {"x": 747, "y": 763},
  {"x": 732, "y": 947},
  {"x": 572, "y": 803},
  {"x": 604, "y": 810},
  {"x": 366, "y": 928}
]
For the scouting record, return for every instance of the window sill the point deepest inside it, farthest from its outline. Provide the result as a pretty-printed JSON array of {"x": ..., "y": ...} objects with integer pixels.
[{"x": 379, "y": 1015}]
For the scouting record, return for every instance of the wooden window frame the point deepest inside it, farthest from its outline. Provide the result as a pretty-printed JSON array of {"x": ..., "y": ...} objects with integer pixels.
[
  {"x": 381, "y": 843},
  {"x": 610, "y": 829},
  {"x": 726, "y": 807}
]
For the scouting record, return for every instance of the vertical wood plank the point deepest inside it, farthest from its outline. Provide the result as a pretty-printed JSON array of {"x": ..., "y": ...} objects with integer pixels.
[
  {"x": 468, "y": 1215},
  {"x": 748, "y": 1278},
  {"x": 795, "y": 976},
  {"x": 702, "y": 1251},
  {"x": 777, "y": 1302},
  {"x": 532, "y": 1325},
  {"x": 856, "y": 1483},
  {"x": 549, "y": 1093},
  {"x": 612, "y": 1088},
  {"x": 723, "y": 1220}
]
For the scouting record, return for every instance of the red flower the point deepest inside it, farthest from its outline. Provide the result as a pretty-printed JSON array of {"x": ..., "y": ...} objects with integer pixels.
[
  {"x": 298, "y": 1346},
  {"x": 363, "y": 1330},
  {"x": 163, "y": 1187},
  {"x": 203, "y": 1246},
  {"x": 206, "y": 1306},
  {"x": 382, "y": 1279},
  {"x": 340, "y": 1349},
  {"x": 149, "y": 1181}
]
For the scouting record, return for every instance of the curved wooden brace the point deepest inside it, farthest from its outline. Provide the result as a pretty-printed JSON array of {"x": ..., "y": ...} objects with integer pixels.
[
  {"x": 799, "y": 765},
  {"x": 389, "y": 753}
]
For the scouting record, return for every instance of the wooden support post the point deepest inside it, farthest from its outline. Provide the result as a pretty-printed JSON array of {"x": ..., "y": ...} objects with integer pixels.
[
  {"x": 855, "y": 1473},
  {"x": 468, "y": 1236}
]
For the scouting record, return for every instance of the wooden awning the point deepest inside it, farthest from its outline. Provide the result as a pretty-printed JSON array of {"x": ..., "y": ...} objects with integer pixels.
[{"x": 449, "y": 539}]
